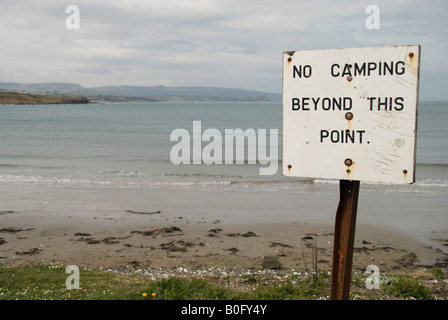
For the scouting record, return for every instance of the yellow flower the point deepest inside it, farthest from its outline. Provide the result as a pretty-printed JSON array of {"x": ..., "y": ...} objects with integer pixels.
[
  {"x": 153, "y": 294},
  {"x": 144, "y": 294}
]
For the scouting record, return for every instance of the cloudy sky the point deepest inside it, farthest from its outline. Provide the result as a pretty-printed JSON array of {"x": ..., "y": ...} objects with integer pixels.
[{"x": 215, "y": 43}]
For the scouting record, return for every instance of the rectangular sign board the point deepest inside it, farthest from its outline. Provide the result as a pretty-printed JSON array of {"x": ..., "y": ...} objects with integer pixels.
[{"x": 351, "y": 114}]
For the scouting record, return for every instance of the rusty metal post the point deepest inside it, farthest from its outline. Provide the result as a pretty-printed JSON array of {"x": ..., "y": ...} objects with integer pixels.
[{"x": 344, "y": 237}]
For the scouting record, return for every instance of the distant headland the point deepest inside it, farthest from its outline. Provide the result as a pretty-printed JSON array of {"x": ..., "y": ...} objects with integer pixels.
[
  {"x": 26, "y": 98},
  {"x": 45, "y": 92}
]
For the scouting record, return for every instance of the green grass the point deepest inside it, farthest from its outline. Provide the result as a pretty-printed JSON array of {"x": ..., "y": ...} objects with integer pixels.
[
  {"x": 47, "y": 282},
  {"x": 409, "y": 288},
  {"x": 437, "y": 272}
]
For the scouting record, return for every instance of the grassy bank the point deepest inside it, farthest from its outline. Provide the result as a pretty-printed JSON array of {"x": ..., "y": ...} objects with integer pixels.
[
  {"x": 47, "y": 282},
  {"x": 26, "y": 98}
]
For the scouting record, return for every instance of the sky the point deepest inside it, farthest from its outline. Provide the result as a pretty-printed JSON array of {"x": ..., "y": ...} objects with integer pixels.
[{"x": 212, "y": 43}]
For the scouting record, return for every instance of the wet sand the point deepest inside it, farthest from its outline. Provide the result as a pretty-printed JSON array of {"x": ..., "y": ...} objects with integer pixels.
[{"x": 203, "y": 228}]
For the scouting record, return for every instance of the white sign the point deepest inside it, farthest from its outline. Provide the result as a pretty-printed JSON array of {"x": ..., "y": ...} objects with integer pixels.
[{"x": 351, "y": 114}]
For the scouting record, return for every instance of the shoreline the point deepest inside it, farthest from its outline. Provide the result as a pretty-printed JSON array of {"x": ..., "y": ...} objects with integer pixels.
[
  {"x": 177, "y": 228},
  {"x": 177, "y": 245}
]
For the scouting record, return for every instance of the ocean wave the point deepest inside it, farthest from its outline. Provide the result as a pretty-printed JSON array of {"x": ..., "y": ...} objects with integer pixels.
[
  {"x": 118, "y": 178},
  {"x": 6, "y": 165},
  {"x": 202, "y": 175},
  {"x": 443, "y": 183},
  {"x": 433, "y": 165},
  {"x": 27, "y": 167}
]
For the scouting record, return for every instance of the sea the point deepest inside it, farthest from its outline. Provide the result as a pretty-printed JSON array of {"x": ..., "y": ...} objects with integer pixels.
[{"x": 128, "y": 145}]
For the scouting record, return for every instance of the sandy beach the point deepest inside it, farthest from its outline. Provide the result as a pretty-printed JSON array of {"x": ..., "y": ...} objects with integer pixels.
[{"x": 193, "y": 228}]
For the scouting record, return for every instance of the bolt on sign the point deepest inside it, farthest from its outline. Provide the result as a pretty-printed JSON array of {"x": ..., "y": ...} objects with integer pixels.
[{"x": 351, "y": 114}]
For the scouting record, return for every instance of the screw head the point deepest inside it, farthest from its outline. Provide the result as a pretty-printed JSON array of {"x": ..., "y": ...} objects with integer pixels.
[{"x": 348, "y": 162}]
